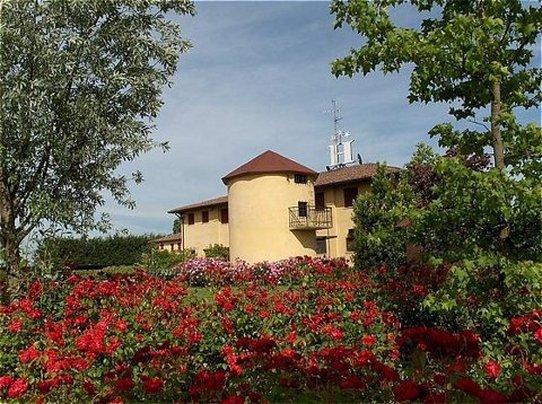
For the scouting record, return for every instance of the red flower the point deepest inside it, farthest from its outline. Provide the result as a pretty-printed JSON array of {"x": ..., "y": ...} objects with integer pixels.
[
  {"x": 468, "y": 386},
  {"x": 121, "y": 326},
  {"x": 407, "y": 391},
  {"x": 124, "y": 384},
  {"x": 538, "y": 335},
  {"x": 368, "y": 340},
  {"x": 233, "y": 400},
  {"x": 5, "y": 381},
  {"x": 492, "y": 369},
  {"x": 152, "y": 385},
  {"x": 16, "y": 325},
  {"x": 18, "y": 388},
  {"x": 29, "y": 354}
]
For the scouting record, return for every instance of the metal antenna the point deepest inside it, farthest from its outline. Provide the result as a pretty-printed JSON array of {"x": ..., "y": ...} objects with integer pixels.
[
  {"x": 340, "y": 150},
  {"x": 336, "y": 111}
]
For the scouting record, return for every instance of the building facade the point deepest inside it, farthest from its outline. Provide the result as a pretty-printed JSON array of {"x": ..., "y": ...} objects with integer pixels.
[{"x": 276, "y": 208}]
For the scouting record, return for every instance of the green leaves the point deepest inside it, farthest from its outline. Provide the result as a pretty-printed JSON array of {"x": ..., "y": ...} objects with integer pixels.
[
  {"x": 81, "y": 85},
  {"x": 458, "y": 51}
]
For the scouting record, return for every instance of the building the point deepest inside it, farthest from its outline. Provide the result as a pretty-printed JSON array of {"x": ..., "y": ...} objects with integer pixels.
[{"x": 276, "y": 208}]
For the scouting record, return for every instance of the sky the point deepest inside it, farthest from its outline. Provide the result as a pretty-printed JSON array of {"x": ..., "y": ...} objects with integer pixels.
[{"x": 258, "y": 77}]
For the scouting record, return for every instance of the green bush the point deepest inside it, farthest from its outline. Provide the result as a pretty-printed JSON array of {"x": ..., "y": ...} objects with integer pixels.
[
  {"x": 95, "y": 251},
  {"x": 162, "y": 262},
  {"x": 217, "y": 251},
  {"x": 380, "y": 237}
]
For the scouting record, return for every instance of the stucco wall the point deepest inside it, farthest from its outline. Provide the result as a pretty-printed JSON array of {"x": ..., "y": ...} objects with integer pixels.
[
  {"x": 170, "y": 245},
  {"x": 200, "y": 235},
  {"x": 342, "y": 218},
  {"x": 259, "y": 222}
]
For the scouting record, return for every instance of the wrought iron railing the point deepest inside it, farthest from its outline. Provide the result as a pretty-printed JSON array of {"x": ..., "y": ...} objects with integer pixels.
[{"x": 310, "y": 218}]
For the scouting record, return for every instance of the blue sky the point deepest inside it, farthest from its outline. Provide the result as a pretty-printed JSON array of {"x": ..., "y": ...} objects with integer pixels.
[{"x": 258, "y": 78}]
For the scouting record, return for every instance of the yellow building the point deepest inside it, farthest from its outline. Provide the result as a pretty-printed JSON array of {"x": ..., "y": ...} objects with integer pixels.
[{"x": 276, "y": 208}]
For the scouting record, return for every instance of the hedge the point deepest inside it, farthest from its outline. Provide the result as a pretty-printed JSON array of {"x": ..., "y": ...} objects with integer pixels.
[{"x": 96, "y": 252}]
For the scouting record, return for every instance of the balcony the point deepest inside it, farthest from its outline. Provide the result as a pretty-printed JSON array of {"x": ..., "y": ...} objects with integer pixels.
[{"x": 304, "y": 217}]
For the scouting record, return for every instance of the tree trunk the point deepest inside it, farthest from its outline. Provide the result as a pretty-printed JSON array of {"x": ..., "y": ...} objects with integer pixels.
[
  {"x": 13, "y": 260},
  {"x": 10, "y": 242},
  {"x": 496, "y": 106}
]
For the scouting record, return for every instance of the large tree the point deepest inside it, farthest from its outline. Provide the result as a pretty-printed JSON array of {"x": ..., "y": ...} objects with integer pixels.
[
  {"x": 474, "y": 54},
  {"x": 80, "y": 86}
]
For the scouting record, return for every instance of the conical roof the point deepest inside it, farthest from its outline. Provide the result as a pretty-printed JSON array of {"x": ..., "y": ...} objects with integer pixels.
[{"x": 269, "y": 162}]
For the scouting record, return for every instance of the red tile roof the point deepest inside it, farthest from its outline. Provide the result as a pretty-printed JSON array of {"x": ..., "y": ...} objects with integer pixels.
[
  {"x": 348, "y": 174},
  {"x": 269, "y": 162},
  {"x": 326, "y": 178},
  {"x": 209, "y": 202},
  {"x": 169, "y": 237}
]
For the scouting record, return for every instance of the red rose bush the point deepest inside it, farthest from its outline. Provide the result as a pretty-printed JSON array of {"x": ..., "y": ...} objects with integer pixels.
[{"x": 302, "y": 329}]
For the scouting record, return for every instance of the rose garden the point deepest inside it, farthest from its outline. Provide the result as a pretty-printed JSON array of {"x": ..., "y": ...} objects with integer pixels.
[{"x": 303, "y": 329}]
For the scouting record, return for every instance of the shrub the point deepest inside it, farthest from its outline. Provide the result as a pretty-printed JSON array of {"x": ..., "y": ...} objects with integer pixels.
[
  {"x": 318, "y": 336},
  {"x": 217, "y": 251},
  {"x": 95, "y": 251},
  {"x": 380, "y": 237},
  {"x": 163, "y": 262}
]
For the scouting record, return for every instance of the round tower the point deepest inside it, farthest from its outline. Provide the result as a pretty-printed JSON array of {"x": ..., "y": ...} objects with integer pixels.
[{"x": 270, "y": 199}]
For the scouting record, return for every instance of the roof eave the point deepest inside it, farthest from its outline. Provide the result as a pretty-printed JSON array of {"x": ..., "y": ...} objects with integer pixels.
[{"x": 228, "y": 177}]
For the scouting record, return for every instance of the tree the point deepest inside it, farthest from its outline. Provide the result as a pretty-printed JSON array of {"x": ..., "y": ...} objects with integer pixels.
[
  {"x": 380, "y": 215},
  {"x": 176, "y": 225},
  {"x": 81, "y": 84},
  {"x": 473, "y": 54}
]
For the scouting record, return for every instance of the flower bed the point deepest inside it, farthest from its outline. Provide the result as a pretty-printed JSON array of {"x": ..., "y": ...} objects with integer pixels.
[
  {"x": 212, "y": 271},
  {"x": 304, "y": 329}
]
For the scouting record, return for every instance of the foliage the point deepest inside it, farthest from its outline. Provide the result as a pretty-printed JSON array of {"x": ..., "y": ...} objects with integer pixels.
[
  {"x": 320, "y": 338},
  {"x": 176, "y": 225},
  {"x": 95, "y": 251},
  {"x": 80, "y": 89},
  {"x": 163, "y": 262},
  {"x": 477, "y": 211},
  {"x": 451, "y": 205},
  {"x": 471, "y": 54},
  {"x": 380, "y": 215},
  {"x": 217, "y": 251}
]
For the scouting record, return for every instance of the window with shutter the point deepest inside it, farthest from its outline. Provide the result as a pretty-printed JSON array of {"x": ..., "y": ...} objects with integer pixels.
[
  {"x": 302, "y": 209},
  {"x": 224, "y": 215},
  {"x": 350, "y": 195},
  {"x": 319, "y": 200}
]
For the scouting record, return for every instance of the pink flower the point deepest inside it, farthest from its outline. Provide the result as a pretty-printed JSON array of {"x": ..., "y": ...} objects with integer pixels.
[{"x": 492, "y": 369}]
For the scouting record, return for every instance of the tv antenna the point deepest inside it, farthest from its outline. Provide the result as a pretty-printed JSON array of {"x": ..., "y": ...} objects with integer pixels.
[{"x": 340, "y": 149}]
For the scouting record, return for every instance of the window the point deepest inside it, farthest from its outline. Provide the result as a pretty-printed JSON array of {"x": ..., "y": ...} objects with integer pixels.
[
  {"x": 350, "y": 240},
  {"x": 302, "y": 209},
  {"x": 321, "y": 245},
  {"x": 179, "y": 246},
  {"x": 350, "y": 195},
  {"x": 205, "y": 216},
  {"x": 224, "y": 215},
  {"x": 190, "y": 218},
  {"x": 319, "y": 200},
  {"x": 300, "y": 179}
]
